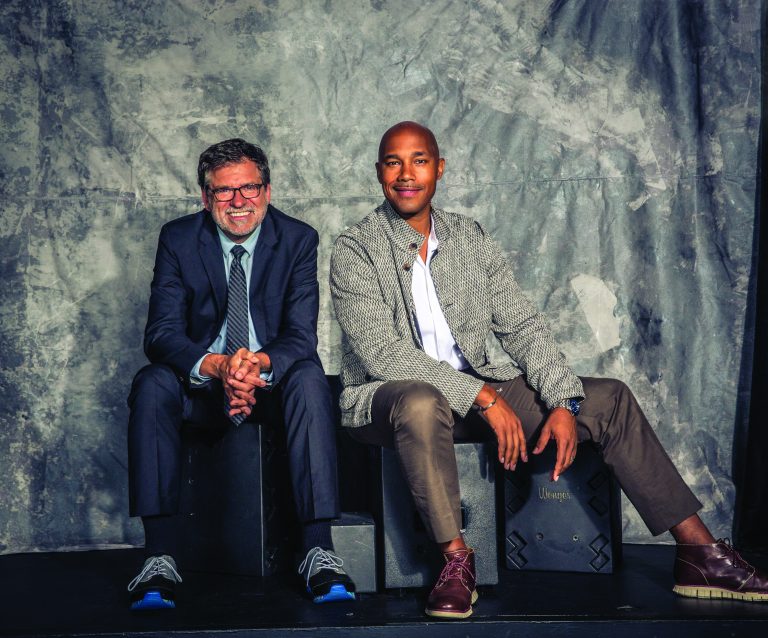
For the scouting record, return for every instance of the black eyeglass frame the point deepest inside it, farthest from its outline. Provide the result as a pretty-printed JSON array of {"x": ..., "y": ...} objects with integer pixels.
[{"x": 217, "y": 192}]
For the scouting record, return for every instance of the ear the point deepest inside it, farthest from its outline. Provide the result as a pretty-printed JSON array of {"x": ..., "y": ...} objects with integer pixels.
[
  {"x": 268, "y": 193},
  {"x": 378, "y": 172},
  {"x": 204, "y": 197},
  {"x": 440, "y": 168}
]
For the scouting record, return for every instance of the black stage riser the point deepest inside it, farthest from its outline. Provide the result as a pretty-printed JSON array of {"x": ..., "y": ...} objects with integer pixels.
[
  {"x": 469, "y": 629},
  {"x": 84, "y": 594}
]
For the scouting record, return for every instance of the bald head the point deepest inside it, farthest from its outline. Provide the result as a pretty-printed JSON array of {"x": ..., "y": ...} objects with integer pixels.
[
  {"x": 409, "y": 127},
  {"x": 408, "y": 169}
]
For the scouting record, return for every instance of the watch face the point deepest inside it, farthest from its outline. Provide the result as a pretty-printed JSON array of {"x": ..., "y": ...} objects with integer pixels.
[{"x": 574, "y": 406}]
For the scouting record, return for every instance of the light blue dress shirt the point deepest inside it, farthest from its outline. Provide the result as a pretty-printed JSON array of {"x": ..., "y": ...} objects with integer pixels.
[{"x": 219, "y": 344}]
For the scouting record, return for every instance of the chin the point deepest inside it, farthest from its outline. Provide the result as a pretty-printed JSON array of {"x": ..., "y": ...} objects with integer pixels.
[
  {"x": 410, "y": 211},
  {"x": 239, "y": 231},
  {"x": 242, "y": 232},
  {"x": 404, "y": 208}
]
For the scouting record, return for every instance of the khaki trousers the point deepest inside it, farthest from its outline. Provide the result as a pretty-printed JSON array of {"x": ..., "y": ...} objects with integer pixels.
[{"x": 414, "y": 419}]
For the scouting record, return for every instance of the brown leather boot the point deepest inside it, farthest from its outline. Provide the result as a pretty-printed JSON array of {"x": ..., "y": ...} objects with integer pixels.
[
  {"x": 454, "y": 593},
  {"x": 717, "y": 571}
]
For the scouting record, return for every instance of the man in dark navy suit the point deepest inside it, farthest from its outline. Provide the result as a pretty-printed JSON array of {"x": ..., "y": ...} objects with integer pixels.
[{"x": 232, "y": 324}]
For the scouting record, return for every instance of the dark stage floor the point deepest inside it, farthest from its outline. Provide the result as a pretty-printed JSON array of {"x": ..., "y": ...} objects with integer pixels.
[{"x": 83, "y": 594}]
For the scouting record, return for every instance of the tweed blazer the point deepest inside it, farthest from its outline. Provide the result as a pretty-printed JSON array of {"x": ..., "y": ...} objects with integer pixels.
[{"x": 371, "y": 268}]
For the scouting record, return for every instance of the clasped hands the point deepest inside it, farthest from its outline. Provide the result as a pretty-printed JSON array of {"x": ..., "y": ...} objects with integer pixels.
[
  {"x": 560, "y": 426},
  {"x": 240, "y": 375}
]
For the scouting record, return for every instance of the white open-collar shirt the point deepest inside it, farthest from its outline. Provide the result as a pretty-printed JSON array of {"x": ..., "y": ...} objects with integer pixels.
[{"x": 436, "y": 337}]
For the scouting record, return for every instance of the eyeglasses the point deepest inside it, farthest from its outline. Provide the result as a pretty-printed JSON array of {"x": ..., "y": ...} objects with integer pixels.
[{"x": 226, "y": 194}]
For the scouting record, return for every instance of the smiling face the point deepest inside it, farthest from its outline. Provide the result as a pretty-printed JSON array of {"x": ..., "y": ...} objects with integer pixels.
[
  {"x": 409, "y": 168},
  {"x": 239, "y": 217}
]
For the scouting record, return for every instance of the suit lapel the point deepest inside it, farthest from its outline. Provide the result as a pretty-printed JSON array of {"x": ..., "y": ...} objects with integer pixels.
[
  {"x": 261, "y": 263},
  {"x": 213, "y": 261}
]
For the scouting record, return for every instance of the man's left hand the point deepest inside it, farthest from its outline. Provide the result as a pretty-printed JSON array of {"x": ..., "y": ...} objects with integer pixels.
[
  {"x": 243, "y": 377},
  {"x": 245, "y": 368},
  {"x": 560, "y": 426}
]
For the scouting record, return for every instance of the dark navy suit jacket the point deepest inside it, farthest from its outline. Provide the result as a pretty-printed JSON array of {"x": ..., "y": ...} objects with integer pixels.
[{"x": 188, "y": 301}]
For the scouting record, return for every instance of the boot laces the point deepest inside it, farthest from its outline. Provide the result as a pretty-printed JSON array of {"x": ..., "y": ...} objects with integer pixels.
[
  {"x": 731, "y": 552},
  {"x": 456, "y": 567},
  {"x": 155, "y": 566}
]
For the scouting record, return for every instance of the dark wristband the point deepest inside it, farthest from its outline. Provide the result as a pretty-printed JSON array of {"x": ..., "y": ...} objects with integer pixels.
[{"x": 483, "y": 408}]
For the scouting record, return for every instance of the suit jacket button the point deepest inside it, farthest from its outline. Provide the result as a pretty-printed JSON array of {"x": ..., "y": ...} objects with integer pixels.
[
  {"x": 413, "y": 246},
  {"x": 406, "y": 266}
]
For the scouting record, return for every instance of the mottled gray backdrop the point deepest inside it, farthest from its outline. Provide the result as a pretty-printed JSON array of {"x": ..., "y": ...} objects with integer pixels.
[{"x": 609, "y": 145}]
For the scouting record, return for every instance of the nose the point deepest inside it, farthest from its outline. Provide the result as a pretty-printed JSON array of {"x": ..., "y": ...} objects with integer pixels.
[
  {"x": 238, "y": 201},
  {"x": 406, "y": 172}
]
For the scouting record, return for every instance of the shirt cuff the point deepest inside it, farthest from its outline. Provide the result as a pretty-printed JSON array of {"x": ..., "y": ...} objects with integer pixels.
[{"x": 195, "y": 378}]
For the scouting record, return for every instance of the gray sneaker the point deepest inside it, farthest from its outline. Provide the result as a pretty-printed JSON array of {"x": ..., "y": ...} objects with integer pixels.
[
  {"x": 325, "y": 579},
  {"x": 155, "y": 586}
]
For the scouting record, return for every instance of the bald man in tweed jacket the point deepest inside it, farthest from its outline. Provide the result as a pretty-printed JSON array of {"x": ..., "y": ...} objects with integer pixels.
[
  {"x": 478, "y": 295},
  {"x": 417, "y": 292}
]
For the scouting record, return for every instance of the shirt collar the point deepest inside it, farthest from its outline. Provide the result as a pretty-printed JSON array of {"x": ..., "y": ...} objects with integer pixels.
[
  {"x": 403, "y": 234},
  {"x": 249, "y": 244},
  {"x": 432, "y": 241}
]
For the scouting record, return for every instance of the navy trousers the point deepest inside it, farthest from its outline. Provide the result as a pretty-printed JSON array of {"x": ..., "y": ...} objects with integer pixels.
[{"x": 161, "y": 402}]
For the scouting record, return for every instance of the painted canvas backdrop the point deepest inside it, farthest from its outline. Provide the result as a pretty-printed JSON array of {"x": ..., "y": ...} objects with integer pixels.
[{"x": 611, "y": 147}]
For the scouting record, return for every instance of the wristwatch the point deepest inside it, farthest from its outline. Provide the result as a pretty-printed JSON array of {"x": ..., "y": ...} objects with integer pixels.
[{"x": 572, "y": 405}]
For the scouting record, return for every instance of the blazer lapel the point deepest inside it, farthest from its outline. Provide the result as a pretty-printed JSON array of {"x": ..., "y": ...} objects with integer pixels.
[
  {"x": 261, "y": 262},
  {"x": 443, "y": 269},
  {"x": 213, "y": 261},
  {"x": 405, "y": 243}
]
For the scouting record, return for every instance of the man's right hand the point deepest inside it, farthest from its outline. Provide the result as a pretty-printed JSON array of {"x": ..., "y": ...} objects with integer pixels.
[
  {"x": 506, "y": 425},
  {"x": 240, "y": 375}
]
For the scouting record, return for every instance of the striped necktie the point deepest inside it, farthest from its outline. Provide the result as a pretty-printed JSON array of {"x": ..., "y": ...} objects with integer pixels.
[{"x": 237, "y": 315}]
